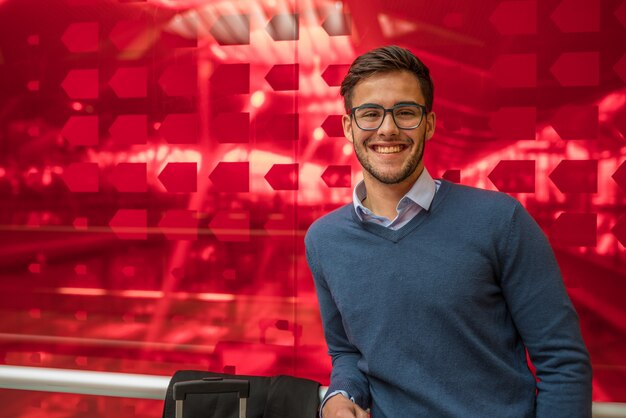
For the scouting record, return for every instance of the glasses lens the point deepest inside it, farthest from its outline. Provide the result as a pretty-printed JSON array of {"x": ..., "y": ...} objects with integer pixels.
[
  {"x": 407, "y": 117},
  {"x": 369, "y": 117}
]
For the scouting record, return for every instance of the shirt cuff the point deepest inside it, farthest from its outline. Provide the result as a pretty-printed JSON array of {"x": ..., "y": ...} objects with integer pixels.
[{"x": 330, "y": 395}]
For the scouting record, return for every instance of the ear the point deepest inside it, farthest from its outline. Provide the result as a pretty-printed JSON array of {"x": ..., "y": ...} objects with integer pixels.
[
  {"x": 431, "y": 119},
  {"x": 346, "y": 121}
]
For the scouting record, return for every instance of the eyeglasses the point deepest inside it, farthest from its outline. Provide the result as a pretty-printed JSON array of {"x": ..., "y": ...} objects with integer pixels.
[{"x": 370, "y": 117}]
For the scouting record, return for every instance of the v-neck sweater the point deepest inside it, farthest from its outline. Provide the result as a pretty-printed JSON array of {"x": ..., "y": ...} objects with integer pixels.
[{"x": 434, "y": 319}]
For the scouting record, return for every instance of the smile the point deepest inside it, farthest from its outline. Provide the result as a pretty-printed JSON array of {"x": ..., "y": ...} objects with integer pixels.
[{"x": 388, "y": 149}]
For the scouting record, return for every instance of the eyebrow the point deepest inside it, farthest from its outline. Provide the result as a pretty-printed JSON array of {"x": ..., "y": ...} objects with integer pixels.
[{"x": 395, "y": 104}]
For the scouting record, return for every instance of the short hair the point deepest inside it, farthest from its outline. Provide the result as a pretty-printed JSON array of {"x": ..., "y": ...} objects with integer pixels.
[{"x": 383, "y": 60}]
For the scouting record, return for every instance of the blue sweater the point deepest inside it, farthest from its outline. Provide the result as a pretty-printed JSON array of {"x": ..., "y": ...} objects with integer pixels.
[{"x": 434, "y": 319}]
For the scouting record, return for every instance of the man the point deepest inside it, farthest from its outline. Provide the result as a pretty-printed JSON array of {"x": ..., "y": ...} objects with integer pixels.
[{"x": 431, "y": 292}]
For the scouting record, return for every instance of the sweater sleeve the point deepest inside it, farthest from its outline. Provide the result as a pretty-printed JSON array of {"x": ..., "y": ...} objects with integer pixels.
[
  {"x": 345, "y": 375},
  {"x": 546, "y": 320}
]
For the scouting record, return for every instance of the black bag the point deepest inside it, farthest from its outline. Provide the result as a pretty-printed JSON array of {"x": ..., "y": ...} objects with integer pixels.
[{"x": 269, "y": 397}]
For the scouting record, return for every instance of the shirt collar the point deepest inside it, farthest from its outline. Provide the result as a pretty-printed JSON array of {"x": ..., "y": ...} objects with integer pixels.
[{"x": 422, "y": 193}]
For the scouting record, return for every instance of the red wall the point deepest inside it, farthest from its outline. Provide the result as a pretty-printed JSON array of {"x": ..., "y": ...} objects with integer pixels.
[{"x": 160, "y": 162}]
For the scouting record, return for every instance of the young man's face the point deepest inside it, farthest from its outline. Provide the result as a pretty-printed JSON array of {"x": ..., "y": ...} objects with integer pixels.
[{"x": 389, "y": 155}]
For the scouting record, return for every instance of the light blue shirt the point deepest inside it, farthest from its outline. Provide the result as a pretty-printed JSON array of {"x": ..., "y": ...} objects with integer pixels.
[{"x": 419, "y": 197}]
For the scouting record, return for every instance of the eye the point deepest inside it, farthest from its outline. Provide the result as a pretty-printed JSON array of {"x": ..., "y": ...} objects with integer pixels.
[
  {"x": 369, "y": 113},
  {"x": 406, "y": 111}
]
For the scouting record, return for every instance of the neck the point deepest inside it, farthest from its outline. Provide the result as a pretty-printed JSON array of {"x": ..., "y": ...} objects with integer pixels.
[{"x": 382, "y": 199}]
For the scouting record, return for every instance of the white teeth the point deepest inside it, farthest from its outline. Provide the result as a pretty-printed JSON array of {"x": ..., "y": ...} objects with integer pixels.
[{"x": 388, "y": 149}]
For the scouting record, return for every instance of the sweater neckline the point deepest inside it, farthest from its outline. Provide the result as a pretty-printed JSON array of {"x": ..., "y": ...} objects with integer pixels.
[{"x": 396, "y": 235}]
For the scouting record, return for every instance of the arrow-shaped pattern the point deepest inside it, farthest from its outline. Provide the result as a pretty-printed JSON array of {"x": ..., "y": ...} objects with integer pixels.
[
  {"x": 180, "y": 79},
  {"x": 231, "y": 226},
  {"x": 278, "y": 126},
  {"x": 284, "y": 27},
  {"x": 620, "y": 66},
  {"x": 82, "y": 177},
  {"x": 81, "y": 37},
  {"x": 180, "y": 177},
  {"x": 620, "y": 176},
  {"x": 129, "y": 129},
  {"x": 338, "y": 24},
  {"x": 283, "y": 177},
  {"x": 130, "y": 177},
  {"x": 284, "y": 77},
  {"x": 576, "y": 122},
  {"x": 574, "y": 229},
  {"x": 577, "y": 16},
  {"x": 514, "y": 123},
  {"x": 515, "y": 70},
  {"x": 130, "y": 82},
  {"x": 81, "y": 130},
  {"x": 126, "y": 33},
  {"x": 180, "y": 128},
  {"x": 232, "y": 30},
  {"x": 230, "y": 79},
  {"x": 130, "y": 224},
  {"x": 180, "y": 224},
  {"x": 452, "y": 175},
  {"x": 231, "y": 128},
  {"x": 337, "y": 176},
  {"x": 334, "y": 74},
  {"x": 576, "y": 176},
  {"x": 280, "y": 225},
  {"x": 332, "y": 126},
  {"x": 514, "y": 176},
  {"x": 81, "y": 84},
  {"x": 575, "y": 69},
  {"x": 515, "y": 17},
  {"x": 620, "y": 13},
  {"x": 231, "y": 177},
  {"x": 619, "y": 230}
]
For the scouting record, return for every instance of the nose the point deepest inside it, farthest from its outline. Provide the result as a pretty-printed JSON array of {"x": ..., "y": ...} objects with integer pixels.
[{"x": 388, "y": 126}]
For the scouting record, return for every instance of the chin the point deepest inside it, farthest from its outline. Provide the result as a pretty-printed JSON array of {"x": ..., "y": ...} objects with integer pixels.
[{"x": 397, "y": 177}]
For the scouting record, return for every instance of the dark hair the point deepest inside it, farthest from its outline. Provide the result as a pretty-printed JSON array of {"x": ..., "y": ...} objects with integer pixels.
[{"x": 382, "y": 60}]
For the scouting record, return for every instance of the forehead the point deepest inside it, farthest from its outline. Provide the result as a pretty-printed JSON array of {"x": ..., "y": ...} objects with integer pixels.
[{"x": 387, "y": 89}]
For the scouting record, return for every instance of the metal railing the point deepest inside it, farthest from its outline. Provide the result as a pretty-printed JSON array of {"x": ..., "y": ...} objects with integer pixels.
[
  {"x": 145, "y": 386},
  {"x": 125, "y": 385}
]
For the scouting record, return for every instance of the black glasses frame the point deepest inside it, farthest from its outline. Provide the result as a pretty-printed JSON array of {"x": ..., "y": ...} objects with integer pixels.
[{"x": 388, "y": 110}]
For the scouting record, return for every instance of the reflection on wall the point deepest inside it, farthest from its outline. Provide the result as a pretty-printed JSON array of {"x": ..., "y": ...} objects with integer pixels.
[{"x": 160, "y": 162}]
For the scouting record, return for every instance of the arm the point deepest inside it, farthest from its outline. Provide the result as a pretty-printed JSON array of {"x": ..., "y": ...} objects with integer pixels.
[
  {"x": 546, "y": 320},
  {"x": 345, "y": 375}
]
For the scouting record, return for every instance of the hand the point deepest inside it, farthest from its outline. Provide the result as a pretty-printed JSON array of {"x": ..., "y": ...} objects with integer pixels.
[{"x": 339, "y": 406}]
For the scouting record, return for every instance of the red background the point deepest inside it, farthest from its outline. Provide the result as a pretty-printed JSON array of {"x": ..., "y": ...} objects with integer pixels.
[{"x": 160, "y": 162}]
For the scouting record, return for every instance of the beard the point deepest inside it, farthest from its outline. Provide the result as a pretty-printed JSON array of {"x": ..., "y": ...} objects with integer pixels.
[{"x": 396, "y": 177}]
